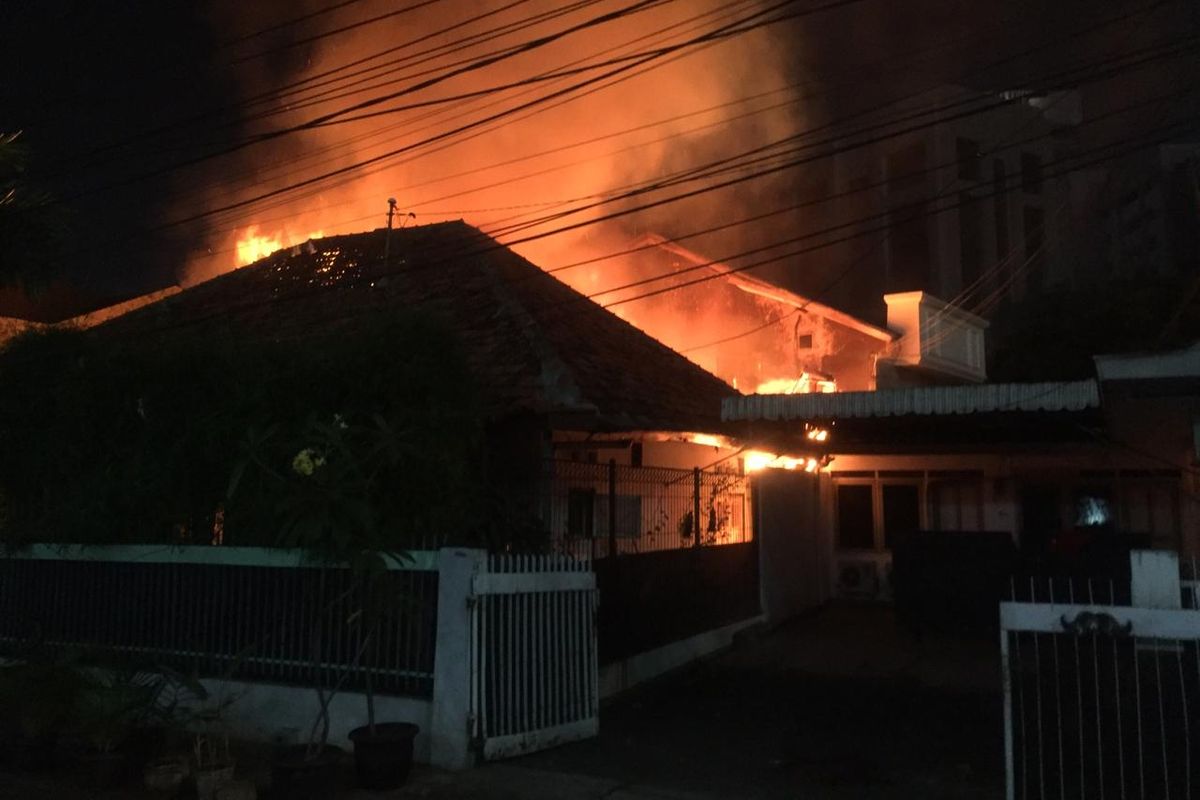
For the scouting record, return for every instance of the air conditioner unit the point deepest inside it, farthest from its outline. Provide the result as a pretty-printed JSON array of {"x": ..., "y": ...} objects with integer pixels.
[
  {"x": 864, "y": 577},
  {"x": 858, "y": 578}
]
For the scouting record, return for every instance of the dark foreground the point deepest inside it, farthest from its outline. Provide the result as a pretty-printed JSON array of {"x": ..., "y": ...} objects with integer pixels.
[{"x": 840, "y": 705}]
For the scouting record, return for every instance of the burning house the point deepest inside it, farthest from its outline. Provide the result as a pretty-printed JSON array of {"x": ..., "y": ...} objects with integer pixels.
[
  {"x": 598, "y": 425},
  {"x": 757, "y": 336}
]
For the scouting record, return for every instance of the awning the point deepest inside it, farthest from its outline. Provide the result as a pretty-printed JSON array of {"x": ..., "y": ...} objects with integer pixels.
[{"x": 915, "y": 401}]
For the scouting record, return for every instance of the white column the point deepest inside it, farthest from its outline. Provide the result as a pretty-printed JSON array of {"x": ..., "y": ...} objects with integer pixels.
[
  {"x": 450, "y": 734},
  {"x": 1155, "y": 579}
]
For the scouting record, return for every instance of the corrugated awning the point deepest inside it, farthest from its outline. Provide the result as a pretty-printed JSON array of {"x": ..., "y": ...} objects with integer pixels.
[{"x": 916, "y": 401}]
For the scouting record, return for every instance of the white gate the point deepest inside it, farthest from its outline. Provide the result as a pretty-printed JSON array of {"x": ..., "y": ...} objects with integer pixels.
[
  {"x": 534, "y": 681},
  {"x": 1101, "y": 693}
]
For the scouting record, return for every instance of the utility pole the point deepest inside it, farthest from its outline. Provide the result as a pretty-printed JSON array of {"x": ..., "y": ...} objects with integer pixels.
[{"x": 387, "y": 242}]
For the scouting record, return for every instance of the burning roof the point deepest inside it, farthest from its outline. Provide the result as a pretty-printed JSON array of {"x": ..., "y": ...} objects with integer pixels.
[{"x": 535, "y": 344}]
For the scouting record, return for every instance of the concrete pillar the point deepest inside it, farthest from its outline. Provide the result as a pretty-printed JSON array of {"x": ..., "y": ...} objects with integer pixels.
[
  {"x": 1154, "y": 576},
  {"x": 450, "y": 734}
]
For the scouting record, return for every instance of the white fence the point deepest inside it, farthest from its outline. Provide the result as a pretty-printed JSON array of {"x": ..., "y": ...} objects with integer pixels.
[
  {"x": 1102, "y": 693},
  {"x": 534, "y": 682},
  {"x": 490, "y": 656}
]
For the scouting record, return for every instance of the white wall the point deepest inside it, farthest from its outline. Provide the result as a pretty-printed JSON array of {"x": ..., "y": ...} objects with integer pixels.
[
  {"x": 793, "y": 561},
  {"x": 267, "y": 712}
]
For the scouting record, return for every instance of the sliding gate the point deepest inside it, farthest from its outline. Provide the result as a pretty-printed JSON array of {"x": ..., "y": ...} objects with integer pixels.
[
  {"x": 1101, "y": 694},
  {"x": 534, "y": 677}
]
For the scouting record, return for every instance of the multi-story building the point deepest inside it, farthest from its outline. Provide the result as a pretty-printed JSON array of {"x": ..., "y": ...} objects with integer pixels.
[{"x": 966, "y": 203}]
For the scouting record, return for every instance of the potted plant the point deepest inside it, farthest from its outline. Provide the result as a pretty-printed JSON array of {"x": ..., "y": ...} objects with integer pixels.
[
  {"x": 383, "y": 751},
  {"x": 213, "y": 764},
  {"x": 169, "y": 717},
  {"x": 327, "y": 496},
  {"x": 372, "y": 437},
  {"x": 104, "y": 718}
]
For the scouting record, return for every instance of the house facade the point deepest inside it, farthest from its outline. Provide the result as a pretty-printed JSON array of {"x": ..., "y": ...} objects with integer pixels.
[{"x": 1052, "y": 466}]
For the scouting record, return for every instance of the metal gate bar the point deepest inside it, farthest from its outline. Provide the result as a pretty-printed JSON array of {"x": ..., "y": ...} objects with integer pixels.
[
  {"x": 1079, "y": 724},
  {"x": 535, "y": 681}
]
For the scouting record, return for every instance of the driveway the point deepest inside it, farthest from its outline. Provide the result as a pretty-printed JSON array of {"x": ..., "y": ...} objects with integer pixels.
[{"x": 839, "y": 704}]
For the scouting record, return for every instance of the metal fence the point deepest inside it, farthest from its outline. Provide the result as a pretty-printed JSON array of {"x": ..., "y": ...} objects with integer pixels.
[
  {"x": 282, "y": 624},
  {"x": 1102, "y": 699},
  {"x": 534, "y": 682},
  {"x": 596, "y": 509}
]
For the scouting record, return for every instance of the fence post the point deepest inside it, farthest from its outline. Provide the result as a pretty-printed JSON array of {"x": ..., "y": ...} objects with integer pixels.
[
  {"x": 696, "y": 504},
  {"x": 454, "y": 659},
  {"x": 612, "y": 508}
]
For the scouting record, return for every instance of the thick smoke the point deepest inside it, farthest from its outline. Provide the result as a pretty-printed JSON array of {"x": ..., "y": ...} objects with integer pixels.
[{"x": 511, "y": 172}]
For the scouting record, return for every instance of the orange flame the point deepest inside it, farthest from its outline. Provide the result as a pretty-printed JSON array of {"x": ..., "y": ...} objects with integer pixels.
[{"x": 252, "y": 246}]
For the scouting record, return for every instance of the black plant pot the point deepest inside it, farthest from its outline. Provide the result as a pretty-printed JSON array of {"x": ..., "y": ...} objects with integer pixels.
[
  {"x": 102, "y": 770},
  {"x": 295, "y": 776},
  {"x": 383, "y": 759}
]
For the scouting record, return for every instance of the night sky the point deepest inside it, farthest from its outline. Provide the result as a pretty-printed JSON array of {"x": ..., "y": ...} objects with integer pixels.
[{"x": 90, "y": 83}]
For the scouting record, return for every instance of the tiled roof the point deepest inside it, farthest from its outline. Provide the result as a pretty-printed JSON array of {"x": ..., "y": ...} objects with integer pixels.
[
  {"x": 917, "y": 401},
  {"x": 534, "y": 343}
]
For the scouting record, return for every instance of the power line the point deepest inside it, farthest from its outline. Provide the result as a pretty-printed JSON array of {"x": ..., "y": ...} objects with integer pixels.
[
  {"x": 1092, "y": 27},
  {"x": 827, "y": 154},
  {"x": 529, "y": 46},
  {"x": 457, "y": 251},
  {"x": 335, "y": 31},
  {"x": 1140, "y": 144},
  {"x": 407, "y": 148},
  {"x": 334, "y": 173},
  {"x": 286, "y": 24},
  {"x": 189, "y": 123}
]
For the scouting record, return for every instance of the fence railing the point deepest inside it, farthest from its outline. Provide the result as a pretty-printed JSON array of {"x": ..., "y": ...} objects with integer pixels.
[
  {"x": 1102, "y": 696},
  {"x": 598, "y": 509},
  {"x": 657, "y": 598},
  {"x": 534, "y": 628},
  {"x": 237, "y": 613}
]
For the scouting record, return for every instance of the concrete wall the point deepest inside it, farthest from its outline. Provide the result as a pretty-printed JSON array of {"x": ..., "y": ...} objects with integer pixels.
[{"x": 623, "y": 675}]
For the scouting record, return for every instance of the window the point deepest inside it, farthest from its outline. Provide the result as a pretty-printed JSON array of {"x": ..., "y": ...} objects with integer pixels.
[
  {"x": 1035, "y": 240},
  {"x": 804, "y": 341},
  {"x": 871, "y": 513},
  {"x": 581, "y": 513},
  {"x": 909, "y": 250},
  {"x": 1152, "y": 507},
  {"x": 956, "y": 505},
  {"x": 1031, "y": 173},
  {"x": 905, "y": 168},
  {"x": 1000, "y": 207},
  {"x": 968, "y": 159},
  {"x": 629, "y": 515},
  {"x": 855, "y": 517},
  {"x": 901, "y": 510},
  {"x": 970, "y": 238}
]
